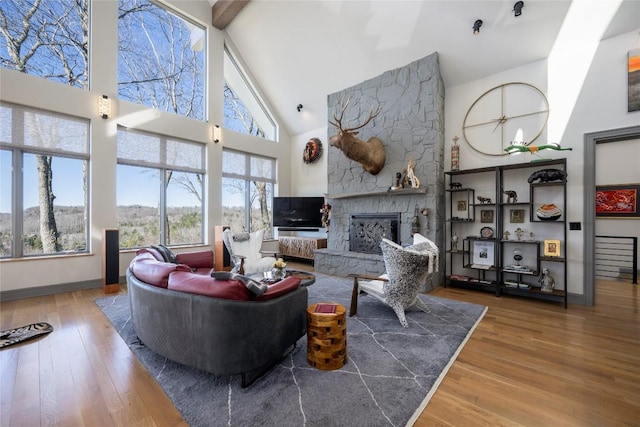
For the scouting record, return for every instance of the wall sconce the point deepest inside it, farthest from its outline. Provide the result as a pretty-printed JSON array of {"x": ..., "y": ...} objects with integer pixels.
[
  {"x": 517, "y": 8},
  {"x": 104, "y": 107},
  {"x": 476, "y": 26},
  {"x": 299, "y": 107},
  {"x": 216, "y": 133}
]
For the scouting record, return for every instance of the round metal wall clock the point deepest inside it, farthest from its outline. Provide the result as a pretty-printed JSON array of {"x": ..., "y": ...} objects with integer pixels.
[{"x": 511, "y": 113}]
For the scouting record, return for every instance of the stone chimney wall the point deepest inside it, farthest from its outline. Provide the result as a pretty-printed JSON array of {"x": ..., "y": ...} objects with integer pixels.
[{"x": 410, "y": 125}]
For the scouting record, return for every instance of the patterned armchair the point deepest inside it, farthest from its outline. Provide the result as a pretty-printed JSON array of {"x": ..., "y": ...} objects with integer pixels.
[{"x": 407, "y": 270}]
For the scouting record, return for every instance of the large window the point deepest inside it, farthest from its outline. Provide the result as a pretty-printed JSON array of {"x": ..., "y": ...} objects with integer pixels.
[
  {"x": 161, "y": 59},
  {"x": 243, "y": 110},
  {"x": 160, "y": 190},
  {"x": 247, "y": 191},
  {"x": 46, "y": 38},
  {"x": 44, "y": 167}
]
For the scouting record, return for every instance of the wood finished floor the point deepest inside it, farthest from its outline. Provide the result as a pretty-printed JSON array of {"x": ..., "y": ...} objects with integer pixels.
[{"x": 528, "y": 363}]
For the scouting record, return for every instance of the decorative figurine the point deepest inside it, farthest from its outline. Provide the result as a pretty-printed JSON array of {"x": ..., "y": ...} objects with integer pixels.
[
  {"x": 506, "y": 235},
  {"x": 455, "y": 154},
  {"x": 326, "y": 216},
  {"x": 415, "y": 223},
  {"x": 547, "y": 282},
  {"x": 484, "y": 200},
  {"x": 531, "y": 236},
  {"x": 512, "y": 196},
  {"x": 519, "y": 232},
  {"x": 455, "y": 185},
  {"x": 517, "y": 256},
  {"x": 398, "y": 183},
  {"x": 454, "y": 242},
  {"x": 410, "y": 179}
]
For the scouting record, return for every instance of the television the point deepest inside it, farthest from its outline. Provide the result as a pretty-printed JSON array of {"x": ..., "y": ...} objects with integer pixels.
[{"x": 297, "y": 212}]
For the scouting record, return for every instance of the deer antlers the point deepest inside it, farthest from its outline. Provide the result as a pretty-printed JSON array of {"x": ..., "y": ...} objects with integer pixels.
[{"x": 343, "y": 107}]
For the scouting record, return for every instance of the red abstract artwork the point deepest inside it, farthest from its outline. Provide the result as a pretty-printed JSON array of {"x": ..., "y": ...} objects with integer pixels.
[{"x": 617, "y": 201}]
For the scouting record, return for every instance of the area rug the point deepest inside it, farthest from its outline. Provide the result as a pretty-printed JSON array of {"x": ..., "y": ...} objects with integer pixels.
[
  {"x": 388, "y": 379},
  {"x": 23, "y": 333}
]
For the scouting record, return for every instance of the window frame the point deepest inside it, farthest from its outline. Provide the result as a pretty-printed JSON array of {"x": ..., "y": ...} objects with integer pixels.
[
  {"x": 163, "y": 166},
  {"x": 236, "y": 77},
  {"x": 248, "y": 179},
  {"x": 18, "y": 149}
]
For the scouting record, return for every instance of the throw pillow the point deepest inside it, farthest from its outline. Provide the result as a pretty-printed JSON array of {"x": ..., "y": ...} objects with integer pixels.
[
  {"x": 167, "y": 254},
  {"x": 254, "y": 286}
]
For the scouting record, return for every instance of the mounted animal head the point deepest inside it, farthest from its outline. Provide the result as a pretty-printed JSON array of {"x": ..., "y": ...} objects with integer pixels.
[{"x": 369, "y": 153}]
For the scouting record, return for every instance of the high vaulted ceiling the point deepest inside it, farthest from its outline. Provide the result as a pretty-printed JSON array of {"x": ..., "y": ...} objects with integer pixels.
[{"x": 298, "y": 52}]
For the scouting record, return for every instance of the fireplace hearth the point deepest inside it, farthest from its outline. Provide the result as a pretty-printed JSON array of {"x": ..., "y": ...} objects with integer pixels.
[{"x": 366, "y": 230}]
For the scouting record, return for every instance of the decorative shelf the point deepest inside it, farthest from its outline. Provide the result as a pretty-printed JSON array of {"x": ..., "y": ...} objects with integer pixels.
[{"x": 401, "y": 192}]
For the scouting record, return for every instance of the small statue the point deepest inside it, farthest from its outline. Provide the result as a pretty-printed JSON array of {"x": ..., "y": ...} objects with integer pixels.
[
  {"x": 519, "y": 232},
  {"x": 454, "y": 242},
  {"x": 512, "y": 196},
  {"x": 547, "y": 282},
  {"x": 484, "y": 200},
  {"x": 506, "y": 235},
  {"x": 410, "y": 179},
  {"x": 531, "y": 236},
  {"x": 415, "y": 223},
  {"x": 326, "y": 216},
  {"x": 398, "y": 184}
]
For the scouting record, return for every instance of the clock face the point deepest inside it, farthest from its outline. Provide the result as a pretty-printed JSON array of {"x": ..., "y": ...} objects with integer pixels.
[{"x": 511, "y": 113}]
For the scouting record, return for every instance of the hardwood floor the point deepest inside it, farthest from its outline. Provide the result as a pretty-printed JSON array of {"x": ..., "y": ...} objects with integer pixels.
[{"x": 528, "y": 363}]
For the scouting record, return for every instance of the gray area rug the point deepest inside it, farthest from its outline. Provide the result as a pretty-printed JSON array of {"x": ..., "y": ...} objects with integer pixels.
[{"x": 390, "y": 375}]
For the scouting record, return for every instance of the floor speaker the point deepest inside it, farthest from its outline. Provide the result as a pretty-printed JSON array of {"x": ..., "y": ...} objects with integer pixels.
[{"x": 110, "y": 261}]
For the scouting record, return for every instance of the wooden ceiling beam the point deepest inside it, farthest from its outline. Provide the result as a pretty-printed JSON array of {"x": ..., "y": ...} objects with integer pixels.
[{"x": 223, "y": 12}]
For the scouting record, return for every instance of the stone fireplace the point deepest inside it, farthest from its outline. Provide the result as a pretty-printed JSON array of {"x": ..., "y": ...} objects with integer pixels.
[
  {"x": 410, "y": 126},
  {"x": 367, "y": 230}
]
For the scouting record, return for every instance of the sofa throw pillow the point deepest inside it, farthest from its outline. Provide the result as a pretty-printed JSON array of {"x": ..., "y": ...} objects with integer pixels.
[
  {"x": 254, "y": 286},
  {"x": 167, "y": 254}
]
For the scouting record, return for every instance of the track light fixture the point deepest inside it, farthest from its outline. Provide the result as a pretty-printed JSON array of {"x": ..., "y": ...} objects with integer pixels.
[
  {"x": 299, "y": 107},
  {"x": 517, "y": 8},
  {"x": 476, "y": 26}
]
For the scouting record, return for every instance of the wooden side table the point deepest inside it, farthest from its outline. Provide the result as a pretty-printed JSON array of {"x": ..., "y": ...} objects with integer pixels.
[{"x": 326, "y": 336}]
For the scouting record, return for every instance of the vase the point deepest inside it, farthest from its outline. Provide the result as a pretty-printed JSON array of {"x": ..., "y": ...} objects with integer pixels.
[{"x": 278, "y": 273}]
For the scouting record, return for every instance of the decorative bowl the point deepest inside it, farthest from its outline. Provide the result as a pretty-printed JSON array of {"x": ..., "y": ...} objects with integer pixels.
[{"x": 549, "y": 212}]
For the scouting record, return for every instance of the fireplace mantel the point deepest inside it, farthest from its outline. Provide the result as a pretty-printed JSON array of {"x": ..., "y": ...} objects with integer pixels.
[{"x": 400, "y": 192}]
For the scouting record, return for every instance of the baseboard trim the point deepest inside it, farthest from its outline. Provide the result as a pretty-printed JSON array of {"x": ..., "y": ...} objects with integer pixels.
[{"x": 40, "y": 291}]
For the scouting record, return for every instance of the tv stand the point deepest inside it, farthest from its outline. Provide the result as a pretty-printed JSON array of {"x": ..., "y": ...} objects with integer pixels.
[
  {"x": 298, "y": 229},
  {"x": 300, "y": 247}
]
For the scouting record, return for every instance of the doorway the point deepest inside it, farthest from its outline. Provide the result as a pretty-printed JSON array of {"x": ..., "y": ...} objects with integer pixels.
[{"x": 591, "y": 140}]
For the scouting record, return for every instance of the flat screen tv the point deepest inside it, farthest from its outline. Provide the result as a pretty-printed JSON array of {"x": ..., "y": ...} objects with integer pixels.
[{"x": 297, "y": 212}]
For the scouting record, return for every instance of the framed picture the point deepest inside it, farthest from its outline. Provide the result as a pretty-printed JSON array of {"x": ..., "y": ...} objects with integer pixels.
[
  {"x": 516, "y": 215},
  {"x": 483, "y": 254},
  {"x": 633, "y": 83},
  {"x": 486, "y": 216},
  {"x": 462, "y": 205},
  {"x": 617, "y": 201},
  {"x": 552, "y": 248}
]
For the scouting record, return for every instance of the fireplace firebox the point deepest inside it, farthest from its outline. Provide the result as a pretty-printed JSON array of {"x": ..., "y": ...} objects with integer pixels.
[{"x": 366, "y": 231}]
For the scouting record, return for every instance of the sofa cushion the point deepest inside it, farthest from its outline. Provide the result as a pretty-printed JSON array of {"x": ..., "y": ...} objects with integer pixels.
[
  {"x": 149, "y": 270},
  {"x": 280, "y": 288},
  {"x": 207, "y": 286},
  {"x": 198, "y": 259}
]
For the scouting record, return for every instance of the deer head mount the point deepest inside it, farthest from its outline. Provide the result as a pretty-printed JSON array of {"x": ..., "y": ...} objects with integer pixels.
[{"x": 369, "y": 153}]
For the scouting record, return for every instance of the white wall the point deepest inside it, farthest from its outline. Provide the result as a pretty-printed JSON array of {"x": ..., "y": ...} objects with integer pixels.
[
  {"x": 308, "y": 179},
  {"x": 600, "y": 104},
  {"x": 36, "y": 92}
]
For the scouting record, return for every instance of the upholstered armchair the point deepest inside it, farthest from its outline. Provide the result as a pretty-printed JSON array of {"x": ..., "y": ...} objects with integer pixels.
[
  {"x": 407, "y": 270},
  {"x": 244, "y": 249}
]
